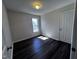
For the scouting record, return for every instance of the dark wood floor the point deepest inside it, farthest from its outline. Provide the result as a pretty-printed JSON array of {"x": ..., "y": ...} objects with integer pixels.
[{"x": 36, "y": 48}]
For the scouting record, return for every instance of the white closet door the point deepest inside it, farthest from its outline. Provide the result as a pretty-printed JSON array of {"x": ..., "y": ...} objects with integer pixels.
[
  {"x": 66, "y": 26},
  {"x": 61, "y": 28},
  {"x": 7, "y": 46}
]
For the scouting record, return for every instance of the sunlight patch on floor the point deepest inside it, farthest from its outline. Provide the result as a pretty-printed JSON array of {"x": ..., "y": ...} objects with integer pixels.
[{"x": 43, "y": 38}]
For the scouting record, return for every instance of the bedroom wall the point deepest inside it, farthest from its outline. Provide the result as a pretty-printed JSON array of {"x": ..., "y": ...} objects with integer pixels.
[
  {"x": 21, "y": 25},
  {"x": 51, "y": 23}
]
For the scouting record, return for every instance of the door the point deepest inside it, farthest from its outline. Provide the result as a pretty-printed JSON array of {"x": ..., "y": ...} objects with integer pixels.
[
  {"x": 66, "y": 26},
  {"x": 7, "y": 51},
  {"x": 73, "y": 53},
  {"x": 7, "y": 46}
]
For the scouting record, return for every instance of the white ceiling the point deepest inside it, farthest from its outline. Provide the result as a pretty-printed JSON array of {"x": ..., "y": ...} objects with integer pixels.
[{"x": 25, "y": 5}]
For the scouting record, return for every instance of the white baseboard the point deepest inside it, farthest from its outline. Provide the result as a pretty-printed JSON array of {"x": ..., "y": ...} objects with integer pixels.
[
  {"x": 24, "y": 39},
  {"x": 20, "y": 40}
]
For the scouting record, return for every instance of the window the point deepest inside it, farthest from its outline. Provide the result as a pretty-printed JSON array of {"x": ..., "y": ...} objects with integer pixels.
[{"x": 35, "y": 24}]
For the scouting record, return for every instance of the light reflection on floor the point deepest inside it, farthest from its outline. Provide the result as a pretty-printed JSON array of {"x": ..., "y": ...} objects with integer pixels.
[
  {"x": 43, "y": 38},
  {"x": 37, "y": 43}
]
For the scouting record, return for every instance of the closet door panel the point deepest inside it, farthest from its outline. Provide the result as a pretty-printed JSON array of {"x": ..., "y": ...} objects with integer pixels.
[
  {"x": 62, "y": 28},
  {"x": 66, "y": 24},
  {"x": 69, "y": 19}
]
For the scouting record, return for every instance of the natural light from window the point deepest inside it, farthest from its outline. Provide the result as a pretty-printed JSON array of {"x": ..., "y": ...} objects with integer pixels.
[
  {"x": 35, "y": 24},
  {"x": 43, "y": 38}
]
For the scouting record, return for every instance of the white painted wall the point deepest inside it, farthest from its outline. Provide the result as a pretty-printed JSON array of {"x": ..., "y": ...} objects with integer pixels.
[
  {"x": 21, "y": 25},
  {"x": 52, "y": 24}
]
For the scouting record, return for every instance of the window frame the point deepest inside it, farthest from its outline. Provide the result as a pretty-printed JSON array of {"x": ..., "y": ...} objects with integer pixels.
[{"x": 36, "y": 25}]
